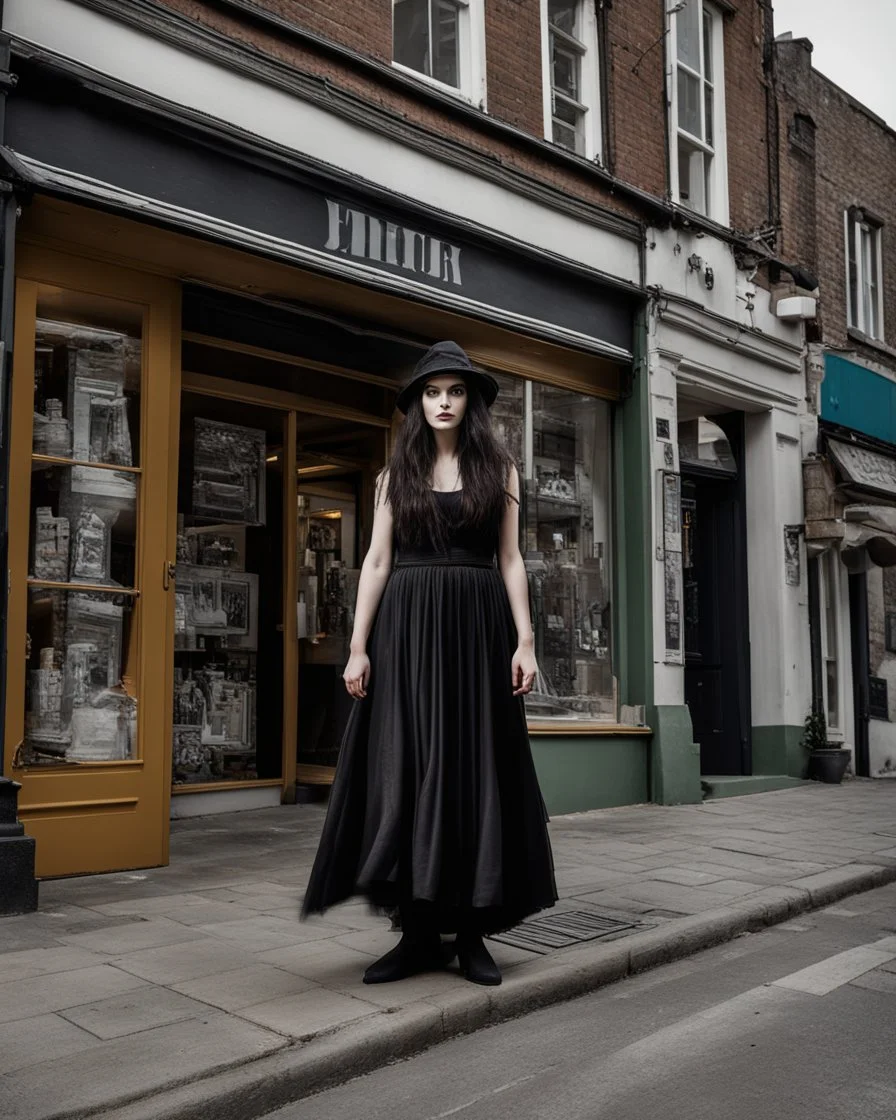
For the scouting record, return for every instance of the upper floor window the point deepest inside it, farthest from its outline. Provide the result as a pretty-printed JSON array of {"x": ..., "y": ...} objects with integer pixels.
[
  {"x": 864, "y": 305},
  {"x": 697, "y": 103},
  {"x": 570, "y": 76},
  {"x": 442, "y": 41}
]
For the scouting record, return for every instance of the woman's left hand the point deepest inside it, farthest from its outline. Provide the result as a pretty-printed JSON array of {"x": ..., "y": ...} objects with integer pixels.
[{"x": 523, "y": 670}]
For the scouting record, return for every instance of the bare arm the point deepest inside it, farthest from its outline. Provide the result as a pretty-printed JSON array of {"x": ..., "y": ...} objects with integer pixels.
[
  {"x": 375, "y": 569},
  {"x": 374, "y": 575},
  {"x": 513, "y": 572}
]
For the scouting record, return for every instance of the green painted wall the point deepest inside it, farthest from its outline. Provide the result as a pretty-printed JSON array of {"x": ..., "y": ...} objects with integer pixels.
[
  {"x": 779, "y": 750},
  {"x": 674, "y": 757},
  {"x": 633, "y": 610},
  {"x": 581, "y": 772}
]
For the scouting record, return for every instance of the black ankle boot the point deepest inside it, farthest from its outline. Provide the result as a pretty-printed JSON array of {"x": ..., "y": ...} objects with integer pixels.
[
  {"x": 410, "y": 956},
  {"x": 476, "y": 961}
]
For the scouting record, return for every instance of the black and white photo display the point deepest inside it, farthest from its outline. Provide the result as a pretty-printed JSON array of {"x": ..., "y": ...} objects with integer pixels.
[{"x": 228, "y": 472}]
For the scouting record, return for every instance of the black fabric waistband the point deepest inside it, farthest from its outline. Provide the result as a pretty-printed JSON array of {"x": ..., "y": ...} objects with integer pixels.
[{"x": 445, "y": 562}]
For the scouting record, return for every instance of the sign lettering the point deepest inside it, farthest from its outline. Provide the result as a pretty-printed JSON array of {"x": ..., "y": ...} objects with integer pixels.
[{"x": 355, "y": 233}]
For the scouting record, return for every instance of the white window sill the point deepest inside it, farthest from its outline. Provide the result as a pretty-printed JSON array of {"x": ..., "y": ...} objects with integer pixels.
[
  {"x": 434, "y": 83},
  {"x": 700, "y": 213}
]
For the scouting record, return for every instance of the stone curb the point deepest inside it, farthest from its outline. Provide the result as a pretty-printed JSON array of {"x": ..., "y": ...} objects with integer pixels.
[{"x": 256, "y": 1087}]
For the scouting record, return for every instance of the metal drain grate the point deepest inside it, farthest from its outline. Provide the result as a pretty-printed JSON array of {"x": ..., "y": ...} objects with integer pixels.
[{"x": 557, "y": 931}]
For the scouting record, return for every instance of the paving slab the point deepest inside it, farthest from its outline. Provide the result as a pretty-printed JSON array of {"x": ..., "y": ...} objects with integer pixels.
[
  {"x": 41, "y": 1038},
  {"x": 21, "y": 999},
  {"x": 138, "y": 1010},
  {"x": 303, "y": 1016},
  {"x": 242, "y": 987},
  {"x": 133, "y": 935},
  {"x": 170, "y": 963},
  {"x": 25, "y": 963},
  {"x": 132, "y": 1067},
  {"x": 318, "y": 960}
]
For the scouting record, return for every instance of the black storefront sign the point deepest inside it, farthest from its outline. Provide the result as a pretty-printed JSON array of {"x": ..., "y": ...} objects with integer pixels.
[{"x": 68, "y": 127}]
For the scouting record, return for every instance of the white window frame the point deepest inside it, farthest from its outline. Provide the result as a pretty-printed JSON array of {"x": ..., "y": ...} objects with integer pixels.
[
  {"x": 470, "y": 51},
  {"x": 716, "y": 206},
  {"x": 830, "y": 597},
  {"x": 585, "y": 44},
  {"x": 861, "y": 224}
]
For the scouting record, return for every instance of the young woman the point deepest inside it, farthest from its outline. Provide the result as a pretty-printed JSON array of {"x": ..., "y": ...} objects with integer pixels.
[{"x": 435, "y": 809}]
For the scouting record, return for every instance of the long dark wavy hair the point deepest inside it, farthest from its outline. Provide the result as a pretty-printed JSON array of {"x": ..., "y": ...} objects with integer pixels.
[{"x": 484, "y": 467}]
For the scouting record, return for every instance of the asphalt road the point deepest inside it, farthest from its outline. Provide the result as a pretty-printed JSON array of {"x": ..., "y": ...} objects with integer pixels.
[{"x": 796, "y": 1023}]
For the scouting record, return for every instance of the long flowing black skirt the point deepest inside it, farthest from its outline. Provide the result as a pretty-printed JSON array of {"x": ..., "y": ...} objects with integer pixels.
[{"x": 435, "y": 797}]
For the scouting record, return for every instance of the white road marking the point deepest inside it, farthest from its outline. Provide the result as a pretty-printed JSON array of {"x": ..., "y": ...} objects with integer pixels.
[
  {"x": 824, "y": 977},
  {"x": 492, "y": 1093}
]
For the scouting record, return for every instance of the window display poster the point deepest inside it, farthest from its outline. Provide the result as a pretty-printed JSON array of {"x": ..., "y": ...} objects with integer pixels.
[
  {"x": 673, "y": 596},
  {"x": 228, "y": 472}
]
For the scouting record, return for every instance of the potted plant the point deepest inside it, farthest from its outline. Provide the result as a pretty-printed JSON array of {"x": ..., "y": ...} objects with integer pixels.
[{"x": 827, "y": 761}]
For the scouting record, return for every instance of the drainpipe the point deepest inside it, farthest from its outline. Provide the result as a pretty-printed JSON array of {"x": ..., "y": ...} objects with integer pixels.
[{"x": 18, "y": 886}]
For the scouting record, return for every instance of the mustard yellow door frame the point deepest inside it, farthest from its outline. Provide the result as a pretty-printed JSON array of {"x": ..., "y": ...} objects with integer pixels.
[{"x": 90, "y": 816}]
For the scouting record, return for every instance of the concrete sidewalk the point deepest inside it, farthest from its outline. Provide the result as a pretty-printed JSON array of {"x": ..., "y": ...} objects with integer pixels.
[{"x": 193, "y": 991}]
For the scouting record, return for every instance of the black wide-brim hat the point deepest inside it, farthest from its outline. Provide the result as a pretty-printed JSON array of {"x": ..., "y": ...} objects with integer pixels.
[{"x": 446, "y": 357}]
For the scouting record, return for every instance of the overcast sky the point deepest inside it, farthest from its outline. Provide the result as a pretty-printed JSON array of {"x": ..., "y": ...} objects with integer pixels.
[{"x": 854, "y": 43}]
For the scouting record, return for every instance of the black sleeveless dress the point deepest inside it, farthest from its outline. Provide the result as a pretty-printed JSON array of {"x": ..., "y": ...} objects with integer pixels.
[{"x": 435, "y": 797}]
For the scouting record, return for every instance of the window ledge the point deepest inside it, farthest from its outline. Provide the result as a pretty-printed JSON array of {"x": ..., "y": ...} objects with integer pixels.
[
  {"x": 434, "y": 83},
  {"x": 875, "y": 343},
  {"x": 580, "y": 727}
]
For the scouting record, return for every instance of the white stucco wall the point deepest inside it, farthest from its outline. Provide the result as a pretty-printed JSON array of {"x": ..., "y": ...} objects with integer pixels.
[{"x": 723, "y": 348}]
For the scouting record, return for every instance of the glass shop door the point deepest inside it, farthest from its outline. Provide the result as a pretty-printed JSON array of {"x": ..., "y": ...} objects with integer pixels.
[{"x": 89, "y": 538}]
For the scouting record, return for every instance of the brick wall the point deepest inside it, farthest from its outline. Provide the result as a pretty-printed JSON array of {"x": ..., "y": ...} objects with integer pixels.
[
  {"x": 854, "y": 165},
  {"x": 513, "y": 63},
  {"x": 746, "y": 112},
  {"x": 634, "y": 87},
  {"x": 636, "y": 95}
]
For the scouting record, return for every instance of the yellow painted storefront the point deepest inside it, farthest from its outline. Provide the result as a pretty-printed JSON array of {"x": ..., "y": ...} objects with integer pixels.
[{"x": 120, "y": 284}]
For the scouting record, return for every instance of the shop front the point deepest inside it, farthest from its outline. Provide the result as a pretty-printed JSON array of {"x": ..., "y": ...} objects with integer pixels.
[
  {"x": 208, "y": 344},
  {"x": 729, "y": 572},
  {"x": 851, "y": 535}
]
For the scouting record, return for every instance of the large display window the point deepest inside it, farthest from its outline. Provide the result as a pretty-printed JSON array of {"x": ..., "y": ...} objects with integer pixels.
[
  {"x": 94, "y": 371},
  {"x": 80, "y": 697},
  {"x": 561, "y": 441}
]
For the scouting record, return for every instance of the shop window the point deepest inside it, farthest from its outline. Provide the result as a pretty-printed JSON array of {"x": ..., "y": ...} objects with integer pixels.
[
  {"x": 442, "y": 41},
  {"x": 570, "y": 76},
  {"x": 865, "y": 310},
  {"x": 561, "y": 441},
  {"x": 81, "y": 702},
  {"x": 697, "y": 110}
]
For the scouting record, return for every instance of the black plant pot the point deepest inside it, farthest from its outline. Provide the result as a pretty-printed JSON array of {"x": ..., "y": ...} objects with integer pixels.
[{"x": 829, "y": 764}]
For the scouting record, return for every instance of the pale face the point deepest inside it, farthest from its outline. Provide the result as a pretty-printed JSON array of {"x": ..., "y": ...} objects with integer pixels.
[{"x": 444, "y": 401}]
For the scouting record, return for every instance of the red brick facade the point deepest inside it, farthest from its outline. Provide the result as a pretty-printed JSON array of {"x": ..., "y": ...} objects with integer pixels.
[
  {"x": 633, "y": 49},
  {"x": 835, "y": 154}
]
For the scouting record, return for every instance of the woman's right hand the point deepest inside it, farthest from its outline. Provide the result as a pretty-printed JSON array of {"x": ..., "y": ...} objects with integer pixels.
[{"x": 356, "y": 675}]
